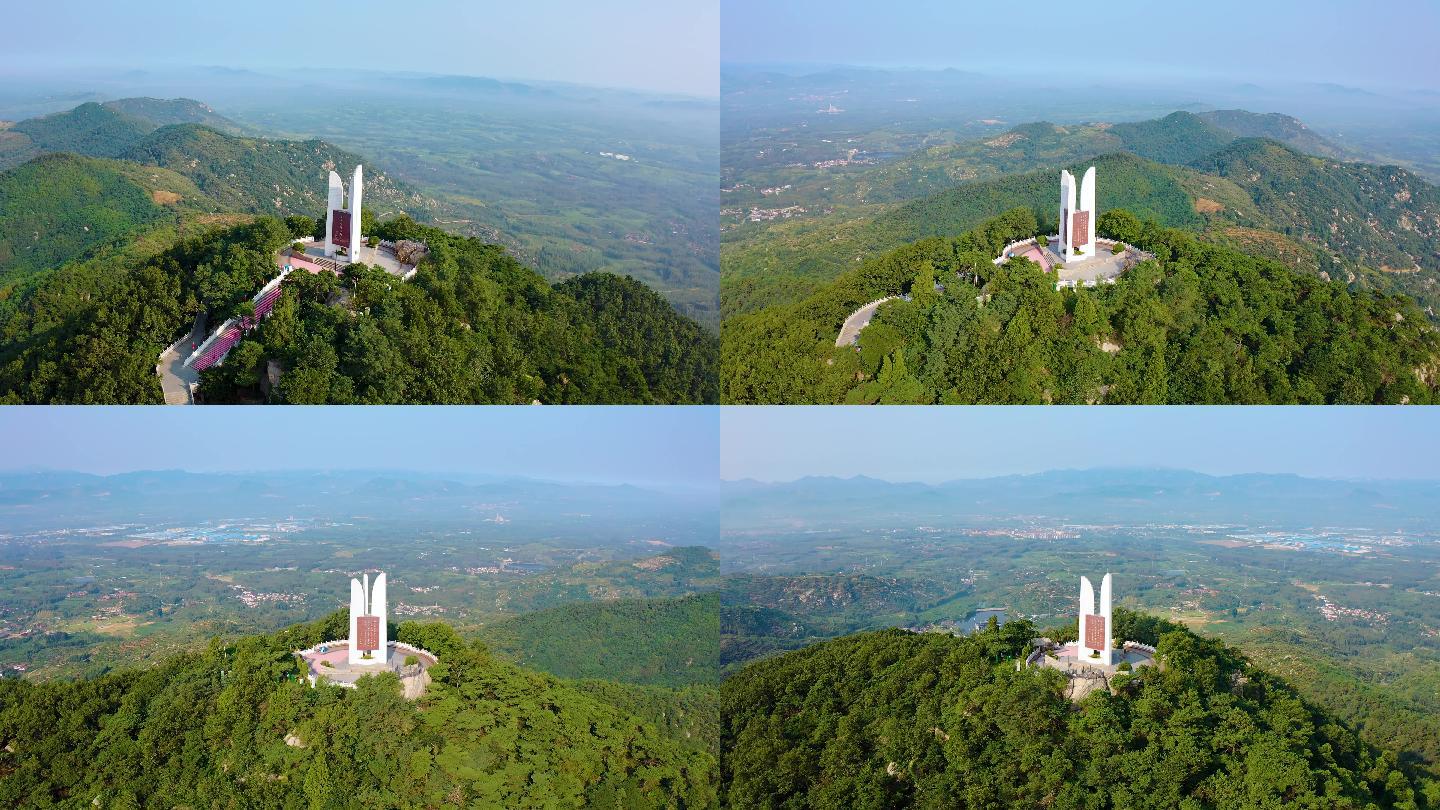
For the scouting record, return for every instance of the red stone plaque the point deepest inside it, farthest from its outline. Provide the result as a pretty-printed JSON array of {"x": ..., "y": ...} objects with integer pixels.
[
  {"x": 340, "y": 228},
  {"x": 1095, "y": 632},
  {"x": 1080, "y": 229},
  {"x": 367, "y": 633}
]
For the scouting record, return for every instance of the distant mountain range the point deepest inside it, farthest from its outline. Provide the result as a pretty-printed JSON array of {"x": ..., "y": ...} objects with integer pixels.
[
  {"x": 102, "y": 174},
  {"x": 1097, "y": 496},
  {"x": 61, "y": 497}
]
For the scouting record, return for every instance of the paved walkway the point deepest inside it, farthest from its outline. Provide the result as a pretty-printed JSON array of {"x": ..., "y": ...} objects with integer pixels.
[
  {"x": 1102, "y": 266},
  {"x": 176, "y": 378},
  {"x": 315, "y": 260},
  {"x": 859, "y": 319}
]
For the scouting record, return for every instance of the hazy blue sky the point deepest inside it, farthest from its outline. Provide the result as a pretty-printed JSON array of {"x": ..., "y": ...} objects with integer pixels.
[
  {"x": 1390, "y": 42},
  {"x": 676, "y": 445},
  {"x": 650, "y": 44},
  {"x": 938, "y": 444}
]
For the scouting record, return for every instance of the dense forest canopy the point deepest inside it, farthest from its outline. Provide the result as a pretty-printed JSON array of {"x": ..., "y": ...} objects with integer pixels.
[
  {"x": 894, "y": 718},
  {"x": 89, "y": 129},
  {"x": 210, "y": 729},
  {"x": 1201, "y": 323},
  {"x": 58, "y": 207},
  {"x": 660, "y": 642},
  {"x": 472, "y": 326}
]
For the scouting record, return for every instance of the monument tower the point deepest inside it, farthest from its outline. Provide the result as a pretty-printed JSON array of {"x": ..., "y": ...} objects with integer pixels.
[
  {"x": 367, "y": 618},
  {"x": 342, "y": 223},
  {"x": 1077, "y": 225},
  {"x": 1094, "y": 625}
]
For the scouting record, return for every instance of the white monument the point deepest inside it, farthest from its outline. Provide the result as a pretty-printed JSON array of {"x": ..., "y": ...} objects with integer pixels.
[
  {"x": 1077, "y": 225},
  {"x": 1094, "y": 625},
  {"x": 367, "y": 618},
  {"x": 342, "y": 223}
]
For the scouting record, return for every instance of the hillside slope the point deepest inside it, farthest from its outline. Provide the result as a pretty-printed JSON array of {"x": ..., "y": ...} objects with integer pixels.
[
  {"x": 895, "y": 719},
  {"x": 106, "y": 129},
  {"x": 58, "y": 207},
  {"x": 658, "y": 642},
  {"x": 257, "y": 175},
  {"x": 1381, "y": 216},
  {"x": 1286, "y": 129},
  {"x": 165, "y": 111},
  {"x": 61, "y": 207},
  {"x": 1200, "y": 324},
  {"x": 90, "y": 129},
  {"x": 472, "y": 326},
  {"x": 210, "y": 729}
]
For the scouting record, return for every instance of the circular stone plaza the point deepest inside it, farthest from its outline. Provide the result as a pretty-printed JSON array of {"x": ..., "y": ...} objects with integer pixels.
[
  {"x": 1106, "y": 260},
  {"x": 330, "y": 661},
  {"x": 1090, "y": 661},
  {"x": 368, "y": 651}
]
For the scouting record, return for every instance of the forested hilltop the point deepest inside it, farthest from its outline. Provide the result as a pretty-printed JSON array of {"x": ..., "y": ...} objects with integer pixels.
[
  {"x": 211, "y": 729},
  {"x": 473, "y": 325},
  {"x": 898, "y": 719},
  {"x": 1201, "y": 323},
  {"x": 132, "y": 217},
  {"x": 1264, "y": 183}
]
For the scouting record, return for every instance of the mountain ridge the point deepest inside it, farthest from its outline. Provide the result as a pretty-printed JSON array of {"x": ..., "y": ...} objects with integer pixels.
[{"x": 899, "y": 200}]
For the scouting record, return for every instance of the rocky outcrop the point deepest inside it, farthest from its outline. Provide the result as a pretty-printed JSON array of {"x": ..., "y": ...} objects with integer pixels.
[{"x": 409, "y": 251}]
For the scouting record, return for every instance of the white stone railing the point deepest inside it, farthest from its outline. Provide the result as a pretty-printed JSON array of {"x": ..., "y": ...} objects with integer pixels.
[
  {"x": 1005, "y": 251},
  {"x": 398, "y": 645},
  {"x": 316, "y": 647},
  {"x": 220, "y": 330},
  {"x": 1034, "y": 656},
  {"x": 1135, "y": 645},
  {"x": 411, "y": 648}
]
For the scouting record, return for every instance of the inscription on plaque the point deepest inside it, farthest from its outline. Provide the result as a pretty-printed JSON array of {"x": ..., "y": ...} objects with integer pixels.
[
  {"x": 1095, "y": 632},
  {"x": 367, "y": 633},
  {"x": 340, "y": 227},
  {"x": 1080, "y": 229}
]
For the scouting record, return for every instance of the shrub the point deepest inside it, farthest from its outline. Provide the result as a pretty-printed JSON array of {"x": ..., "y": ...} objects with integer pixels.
[
  {"x": 1124, "y": 666},
  {"x": 327, "y": 664},
  {"x": 412, "y": 660}
]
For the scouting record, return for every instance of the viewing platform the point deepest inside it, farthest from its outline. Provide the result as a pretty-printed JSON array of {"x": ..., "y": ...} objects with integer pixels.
[
  {"x": 1105, "y": 263},
  {"x": 330, "y": 661},
  {"x": 312, "y": 257}
]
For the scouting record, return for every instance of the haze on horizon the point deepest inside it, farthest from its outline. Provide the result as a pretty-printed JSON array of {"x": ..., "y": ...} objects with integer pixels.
[
  {"x": 1323, "y": 41},
  {"x": 647, "y": 45},
  {"x": 935, "y": 445},
  {"x": 644, "y": 446}
]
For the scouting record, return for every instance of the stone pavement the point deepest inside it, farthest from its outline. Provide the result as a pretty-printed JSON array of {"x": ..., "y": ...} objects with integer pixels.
[
  {"x": 176, "y": 378},
  {"x": 859, "y": 319}
]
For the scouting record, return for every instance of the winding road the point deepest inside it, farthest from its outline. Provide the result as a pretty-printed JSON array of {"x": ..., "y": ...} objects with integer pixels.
[{"x": 859, "y": 319}]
